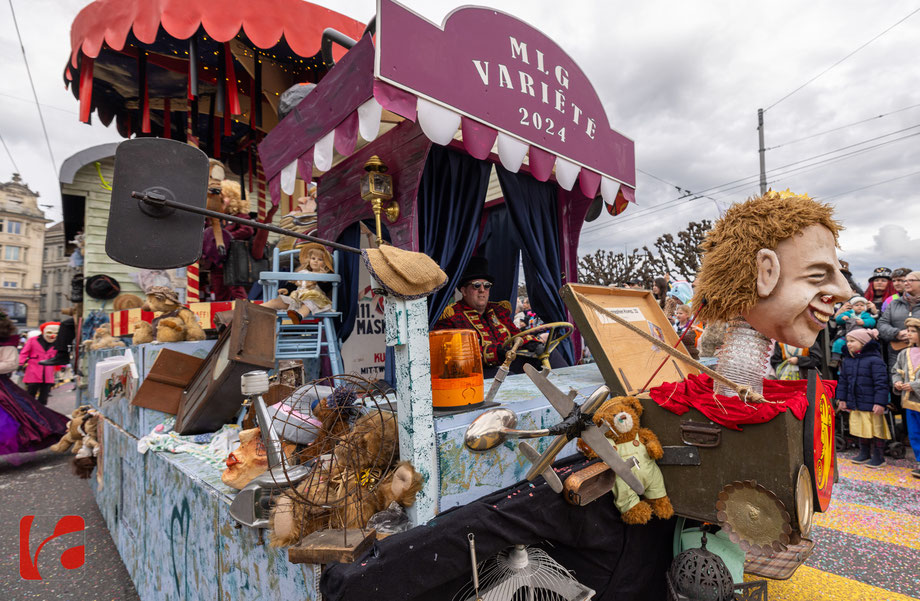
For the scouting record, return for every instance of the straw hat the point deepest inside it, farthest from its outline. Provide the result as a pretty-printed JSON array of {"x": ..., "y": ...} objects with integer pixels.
[
  {"x": 127, "y": 301},
  {"x": 912, "y": 321},
  {"x": 305, "y": 258},
  {"x": 402, "y": 273}
]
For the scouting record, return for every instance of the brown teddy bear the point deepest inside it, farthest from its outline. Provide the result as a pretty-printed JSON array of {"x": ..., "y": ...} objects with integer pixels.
[
  {"x": 73, "y": 439},
  {"x": 102, "y": 338},
  {"x": 640, "y": 447},
  {"x": 175, "y": 322},
  {"x": 86, "y": 455}
]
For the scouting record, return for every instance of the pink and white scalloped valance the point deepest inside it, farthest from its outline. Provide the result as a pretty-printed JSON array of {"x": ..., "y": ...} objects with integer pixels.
[{"x": 440, "y": 125}]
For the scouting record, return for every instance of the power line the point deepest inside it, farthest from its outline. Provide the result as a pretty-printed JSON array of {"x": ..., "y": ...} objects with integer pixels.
[
  {"x": 869, "y": 186},
  {"x": 9, "y": 154},
  {"x": 32, "y": 84},
  {"x": 828, "y": 131},
  {"x": 841, "y": 60},
  {"x": 50, "y": 106},
  {"x": 750, "y": 180}
]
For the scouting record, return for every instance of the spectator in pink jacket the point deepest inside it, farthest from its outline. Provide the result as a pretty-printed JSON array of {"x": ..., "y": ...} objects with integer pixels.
[{"x": 39, "y": 379}]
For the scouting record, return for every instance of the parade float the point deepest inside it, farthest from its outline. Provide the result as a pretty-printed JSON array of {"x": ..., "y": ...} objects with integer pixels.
[{"x": 405, "y": 142}]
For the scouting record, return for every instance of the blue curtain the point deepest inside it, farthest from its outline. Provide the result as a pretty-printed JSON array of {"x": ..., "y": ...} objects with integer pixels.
[
  {"x": 349, "y": 264},
  {"x": 532, "y": 207},
  {"x": 450, "y": 198},
  {"x": 502, "y": 253}
]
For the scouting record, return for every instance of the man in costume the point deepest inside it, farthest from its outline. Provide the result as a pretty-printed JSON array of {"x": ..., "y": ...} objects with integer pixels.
[{"x": 491, "y": 321}]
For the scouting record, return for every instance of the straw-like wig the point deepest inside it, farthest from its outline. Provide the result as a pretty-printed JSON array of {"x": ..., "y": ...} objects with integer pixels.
[{"x": 727, "y": 280}]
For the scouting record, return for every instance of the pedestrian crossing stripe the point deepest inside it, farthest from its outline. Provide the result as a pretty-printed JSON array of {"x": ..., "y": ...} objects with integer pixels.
[{"x": 810, "y": 584}]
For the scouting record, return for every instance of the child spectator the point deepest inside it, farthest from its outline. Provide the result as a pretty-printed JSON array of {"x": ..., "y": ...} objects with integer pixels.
[
  {"x": 862, "y": 389},
  {"x": 853, "y": 314},
  {"x": 906, "y": 379}
]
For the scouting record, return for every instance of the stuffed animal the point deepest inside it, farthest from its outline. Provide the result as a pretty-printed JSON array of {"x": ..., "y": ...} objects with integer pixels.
[
  {"x": 175, "y": 322},
  {"x": 143, "y": 333},
  {"x": 85, "y": 459},
  {"x": 73, "y": 439},
  {"x": 635, "y": 445},
  {"x": 102, "y": 338}
]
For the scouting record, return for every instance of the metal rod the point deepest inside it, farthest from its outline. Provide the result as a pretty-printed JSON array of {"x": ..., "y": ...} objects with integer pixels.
[{"x": 157, "y": 200}]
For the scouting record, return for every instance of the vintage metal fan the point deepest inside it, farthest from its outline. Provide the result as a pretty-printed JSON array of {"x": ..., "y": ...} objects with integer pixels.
[
  {"x": 334, "y": 472},
  {"x": 521, "y": 573}
]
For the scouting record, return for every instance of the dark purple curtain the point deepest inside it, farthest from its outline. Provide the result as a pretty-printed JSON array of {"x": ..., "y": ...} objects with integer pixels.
[
  {"x": 532, "y": 207},
  {"x": 450, "y": 198}
]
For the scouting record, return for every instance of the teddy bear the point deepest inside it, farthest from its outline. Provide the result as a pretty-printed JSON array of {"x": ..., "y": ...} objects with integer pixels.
[
  {"x": 85, "y": 459},
  {"x": 73, "y": 439},
  {"x": 175, "y": 322},
  {"x": 640, "y": 447},
  {"x": 102, "y": 339}
]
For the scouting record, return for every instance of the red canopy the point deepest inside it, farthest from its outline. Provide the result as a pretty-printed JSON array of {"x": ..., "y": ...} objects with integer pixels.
[{"x": 264, "y": 22}]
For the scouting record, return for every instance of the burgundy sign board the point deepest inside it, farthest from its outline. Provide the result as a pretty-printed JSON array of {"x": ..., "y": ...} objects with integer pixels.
[{"x": 498, "y": 70}]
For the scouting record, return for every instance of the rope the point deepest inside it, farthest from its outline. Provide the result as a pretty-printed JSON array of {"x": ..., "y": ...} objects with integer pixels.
[{"x": 746, "y": 393}]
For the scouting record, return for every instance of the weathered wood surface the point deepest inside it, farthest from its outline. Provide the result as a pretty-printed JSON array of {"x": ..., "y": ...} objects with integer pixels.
[
  {"x": 404, "y": 150},
  {"x": 333, "y": 545}
]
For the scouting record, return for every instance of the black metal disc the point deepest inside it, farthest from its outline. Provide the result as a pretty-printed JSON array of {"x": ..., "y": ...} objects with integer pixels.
[{"x": 150, "y": 236}]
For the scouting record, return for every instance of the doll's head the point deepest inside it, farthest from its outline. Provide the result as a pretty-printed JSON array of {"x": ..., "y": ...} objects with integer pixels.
[
  {"x": 231, "y": 196},
  {"x": 314, "y": 257},
  {"x": 913, "y": 330}
]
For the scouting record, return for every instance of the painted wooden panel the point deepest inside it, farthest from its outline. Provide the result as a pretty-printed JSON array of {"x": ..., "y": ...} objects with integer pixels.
[
  {"x": 467, "y": 475},
  {"x": 404, "y": 150},
  {"x": 130, "y": 535},
  {"x": 181, "y": 556},
  {"x": 251, "y": 570}
]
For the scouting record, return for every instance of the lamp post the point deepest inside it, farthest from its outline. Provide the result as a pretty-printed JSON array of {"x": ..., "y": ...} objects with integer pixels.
[{"x": 376, "y": 187}]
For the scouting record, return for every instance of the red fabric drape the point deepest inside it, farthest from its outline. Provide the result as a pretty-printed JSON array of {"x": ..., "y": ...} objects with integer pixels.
[{"x": 696, "y": 392}]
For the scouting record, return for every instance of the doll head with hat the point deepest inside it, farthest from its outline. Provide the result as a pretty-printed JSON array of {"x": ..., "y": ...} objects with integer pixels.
[{"x": 315, "y": 258}]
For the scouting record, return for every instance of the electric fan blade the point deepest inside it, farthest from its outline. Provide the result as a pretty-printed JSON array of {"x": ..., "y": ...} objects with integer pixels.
[{"x": 149, "y": 236}]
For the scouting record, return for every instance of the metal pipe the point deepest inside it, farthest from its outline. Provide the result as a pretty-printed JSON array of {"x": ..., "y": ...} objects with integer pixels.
[
  {"x": 331, "y": 35},
  {"x": 154, "y": 199}
]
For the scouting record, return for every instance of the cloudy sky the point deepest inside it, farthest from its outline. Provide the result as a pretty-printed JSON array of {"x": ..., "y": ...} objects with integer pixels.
[{"x": 683, "y": 79}]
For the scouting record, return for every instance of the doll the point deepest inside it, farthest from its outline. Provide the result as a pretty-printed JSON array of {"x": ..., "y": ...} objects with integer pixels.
[
  {"x": 225, "y": 196},
  {"x": 307, "y": 297}
]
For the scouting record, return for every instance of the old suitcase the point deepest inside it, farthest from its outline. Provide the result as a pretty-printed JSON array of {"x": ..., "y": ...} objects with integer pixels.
[
  {"x": 162, "y": 388},
  {"x": 213, "y": 396},
  {"x": 709, "y": 470}
]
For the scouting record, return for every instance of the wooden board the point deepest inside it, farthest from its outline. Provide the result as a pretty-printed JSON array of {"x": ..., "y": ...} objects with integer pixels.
[
  {"x": 332, "y": 545},
  {"x": 625, "y": 359}
]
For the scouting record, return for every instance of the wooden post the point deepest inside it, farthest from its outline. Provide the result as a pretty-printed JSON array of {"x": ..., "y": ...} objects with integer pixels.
[{"x": 407, "y": 333}]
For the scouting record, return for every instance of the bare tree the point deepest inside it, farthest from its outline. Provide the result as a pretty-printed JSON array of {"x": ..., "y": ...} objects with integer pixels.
[{"x": 677, "y": 255}]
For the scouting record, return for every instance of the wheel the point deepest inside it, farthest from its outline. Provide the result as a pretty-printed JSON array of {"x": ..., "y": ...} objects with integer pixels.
[
  {"x": 840, "y": 443},
  {"x": 558, "y": 331}
]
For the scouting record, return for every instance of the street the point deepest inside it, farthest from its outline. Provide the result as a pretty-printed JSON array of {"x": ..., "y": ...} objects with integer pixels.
[
  {"x": 868, "y": 543},
  {"x": 43, "y": 485}
]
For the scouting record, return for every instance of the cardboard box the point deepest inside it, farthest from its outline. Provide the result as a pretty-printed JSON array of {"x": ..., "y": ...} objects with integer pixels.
[
  {"x": 205, "y": 312},
  {"x": 123, "y": 321}
]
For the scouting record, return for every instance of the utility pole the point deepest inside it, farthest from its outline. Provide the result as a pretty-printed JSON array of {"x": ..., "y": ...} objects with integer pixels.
[{"x": 763, "y": 151}]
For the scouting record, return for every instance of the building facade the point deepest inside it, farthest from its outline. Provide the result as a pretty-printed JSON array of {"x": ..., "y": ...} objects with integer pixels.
[
  {"x": 22, "y": 241},
  {"x": 56, "y": 275}
]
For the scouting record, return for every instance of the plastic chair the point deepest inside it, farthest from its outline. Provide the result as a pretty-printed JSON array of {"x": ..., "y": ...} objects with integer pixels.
[{"x": 315, "y": 335}]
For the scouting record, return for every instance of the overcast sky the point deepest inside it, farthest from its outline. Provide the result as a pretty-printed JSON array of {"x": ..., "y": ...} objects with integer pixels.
[{"x": 683, "y": 79}]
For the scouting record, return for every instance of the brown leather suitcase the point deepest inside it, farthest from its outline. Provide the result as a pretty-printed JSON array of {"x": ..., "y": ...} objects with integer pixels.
[
  {"x": 162, "y": 388},
  {"x": 213, "y": 396}
]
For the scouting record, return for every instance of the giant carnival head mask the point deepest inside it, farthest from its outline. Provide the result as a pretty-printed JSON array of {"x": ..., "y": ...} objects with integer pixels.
[{"x": 773, "y": 261}]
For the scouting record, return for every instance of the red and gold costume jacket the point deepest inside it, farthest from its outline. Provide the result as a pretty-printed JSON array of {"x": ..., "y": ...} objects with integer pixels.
[{"x": 494, "y": 327}]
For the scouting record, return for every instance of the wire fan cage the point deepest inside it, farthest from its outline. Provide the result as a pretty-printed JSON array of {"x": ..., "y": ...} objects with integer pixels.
[
  {"x": 522, "y": 573},
  {"x": 344, "y": 432}
]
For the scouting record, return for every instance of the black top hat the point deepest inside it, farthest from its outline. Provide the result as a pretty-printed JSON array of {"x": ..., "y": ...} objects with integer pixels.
[
  {"x": 476, "y": 269},
  {"x": 102, "y": 287},
  {"x": 881, "y": 272}
]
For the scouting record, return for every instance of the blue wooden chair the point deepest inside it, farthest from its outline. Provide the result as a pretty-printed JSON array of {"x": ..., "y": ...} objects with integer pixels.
[{"x": 315, "y": 335}]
